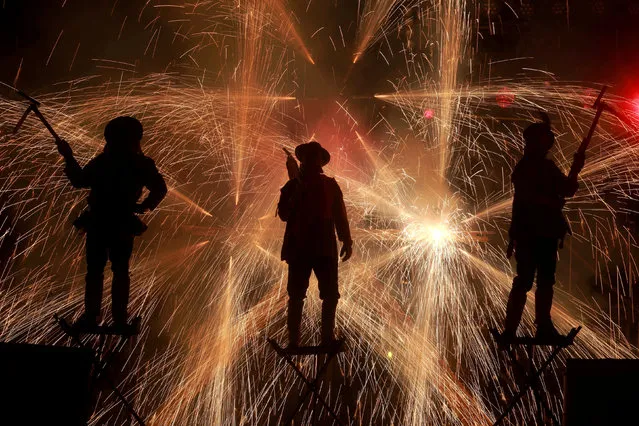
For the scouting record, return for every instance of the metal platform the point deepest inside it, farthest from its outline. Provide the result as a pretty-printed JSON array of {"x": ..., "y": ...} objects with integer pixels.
[
  {"x": 102, "y": 354},
  {"x": 329, "y": 352},
  {"x": 529, "y": 372}
]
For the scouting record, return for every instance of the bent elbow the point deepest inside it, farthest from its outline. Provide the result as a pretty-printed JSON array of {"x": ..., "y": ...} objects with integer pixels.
[
  {"x": 77, "y": 182},
  {"x": 572, "y": 190}
]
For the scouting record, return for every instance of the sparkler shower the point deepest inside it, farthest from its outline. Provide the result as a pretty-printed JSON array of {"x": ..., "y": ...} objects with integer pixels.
[{"x": 425, "y": 168}]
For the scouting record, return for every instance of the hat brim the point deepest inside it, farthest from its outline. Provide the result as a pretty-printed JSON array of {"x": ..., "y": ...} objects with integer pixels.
[{"x": 306, "y": 151}]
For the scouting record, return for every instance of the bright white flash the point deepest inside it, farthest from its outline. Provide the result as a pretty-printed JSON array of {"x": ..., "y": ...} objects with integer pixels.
[{"x": 436, "y": 234}]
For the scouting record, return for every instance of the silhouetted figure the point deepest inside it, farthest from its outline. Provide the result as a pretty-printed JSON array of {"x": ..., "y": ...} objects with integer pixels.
[
  {"x": 538, "y": 227},
  {"x": 116, "y": 178},
  {"x": 313, "y": 208}
]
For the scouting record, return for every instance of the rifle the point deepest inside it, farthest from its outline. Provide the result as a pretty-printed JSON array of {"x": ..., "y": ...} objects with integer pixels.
[{"x": 581, "y": 151}]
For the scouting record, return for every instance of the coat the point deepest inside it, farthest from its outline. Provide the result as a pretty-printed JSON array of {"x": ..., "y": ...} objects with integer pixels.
[
  {"x": 116, "y": 184},
  {"x": 313, "y": 209},
  {"x": 540, "y": 192}
]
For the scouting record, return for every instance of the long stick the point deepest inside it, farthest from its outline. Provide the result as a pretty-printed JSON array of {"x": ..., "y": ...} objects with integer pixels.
[
  {"x": 600, "y": 105},
  {"x": 33, "y": 106},
  {"x": 37, "y": 112}
]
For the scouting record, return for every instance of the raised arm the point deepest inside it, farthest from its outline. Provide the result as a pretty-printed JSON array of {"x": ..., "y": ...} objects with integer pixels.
[{"x": 79, "y": 177}]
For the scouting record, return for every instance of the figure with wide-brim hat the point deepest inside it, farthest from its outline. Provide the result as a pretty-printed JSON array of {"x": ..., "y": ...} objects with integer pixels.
[{"x": 312, "y": 205}]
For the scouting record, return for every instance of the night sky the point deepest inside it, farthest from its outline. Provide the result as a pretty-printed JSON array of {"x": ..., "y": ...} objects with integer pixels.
[{"x": 594, "y": 41}]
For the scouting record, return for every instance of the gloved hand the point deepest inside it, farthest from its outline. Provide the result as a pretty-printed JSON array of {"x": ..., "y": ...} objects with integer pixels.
[
  {"x": 346, "y": 252},
  {"x": 64, "y": 148}
]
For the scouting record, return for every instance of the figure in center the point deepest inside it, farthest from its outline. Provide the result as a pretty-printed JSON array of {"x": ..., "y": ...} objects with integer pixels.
[{"x": 312, "y": 205}]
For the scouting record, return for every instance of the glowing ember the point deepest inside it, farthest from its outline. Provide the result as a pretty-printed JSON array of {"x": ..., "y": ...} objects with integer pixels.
[{"x": 505, "y": 98}]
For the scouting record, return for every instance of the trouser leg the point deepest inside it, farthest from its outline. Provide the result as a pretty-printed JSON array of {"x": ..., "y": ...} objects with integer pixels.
[
  {"x": 546, "y": 253},
  {"x": 326, "y": 272},
  {"x": 294, "y": 320},
  {"x": 522, "y": 283},
  {"x": 120, "y": 255},
  {"x": 329, "y": 308},
  {"x": 96, "y": 252},
  {"x": 299, "y": 273}
]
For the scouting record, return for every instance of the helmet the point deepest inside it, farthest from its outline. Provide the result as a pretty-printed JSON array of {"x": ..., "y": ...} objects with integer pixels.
[
  {"x": 539, "y": 137},
  {"x": 123, "y": 134}
]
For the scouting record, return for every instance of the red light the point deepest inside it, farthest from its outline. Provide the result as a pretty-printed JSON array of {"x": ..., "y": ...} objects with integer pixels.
[
  {"x": 429, "y": 113},
  {"x": 505, "y": 98}
]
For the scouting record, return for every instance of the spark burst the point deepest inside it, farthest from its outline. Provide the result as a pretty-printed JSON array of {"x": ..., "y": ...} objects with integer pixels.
[{"x": 429, "y": 275}]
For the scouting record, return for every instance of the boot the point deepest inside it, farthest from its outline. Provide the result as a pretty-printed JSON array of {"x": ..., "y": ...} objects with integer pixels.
[
  {"x": 328, "y": 321},
  {"x": 546, "y": 332},
  {"x": 514, "y": 311},
  {"x": 120, "y": 297},
  {"x": 543, "y": 305},
  {"x": 294, "y": 321},
  {"x": 86, "y": 322}
]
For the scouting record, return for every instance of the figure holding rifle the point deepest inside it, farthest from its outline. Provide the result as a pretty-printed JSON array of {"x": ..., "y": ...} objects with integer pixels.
[
  {"x": 538, "y": 227},
  {"x": 312, "y": 205}
]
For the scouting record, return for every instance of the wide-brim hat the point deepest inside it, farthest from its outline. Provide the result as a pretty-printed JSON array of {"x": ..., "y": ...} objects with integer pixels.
[{"x": 306, "y": 152}]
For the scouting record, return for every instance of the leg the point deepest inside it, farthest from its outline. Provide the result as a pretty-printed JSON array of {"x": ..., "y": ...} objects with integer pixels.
[
  {"x": 96, "y": 252},
  {"x": 326, "y": 272},
  {"x": 299, "y": 273},
  {"x": 546, "y": 256},
  {"x": 120, "y": 255},
  {"x": 522, "y": 283}
]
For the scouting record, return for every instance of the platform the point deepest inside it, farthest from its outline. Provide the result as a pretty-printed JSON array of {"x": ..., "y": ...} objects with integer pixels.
[
  {"x": 530, "y": 373},
  {"x": 327, "y": 352}
]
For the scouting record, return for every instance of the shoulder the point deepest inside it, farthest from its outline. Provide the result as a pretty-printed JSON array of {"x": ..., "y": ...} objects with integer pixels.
[
  {"x": 329, "y": 180},
  {"x": 331, "y": 183},
  {"x": 100, "y": 158},
  {"x": 146, "y": 160},
  {"x": 147, "y": 164},
  {"x": 97, "y": 161},
  {"x": 292, "y": 183},
  {"x": 516, "y": 174},
  {"x": 549, "y": 163},
  {"x": 550, "y": 167}
]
